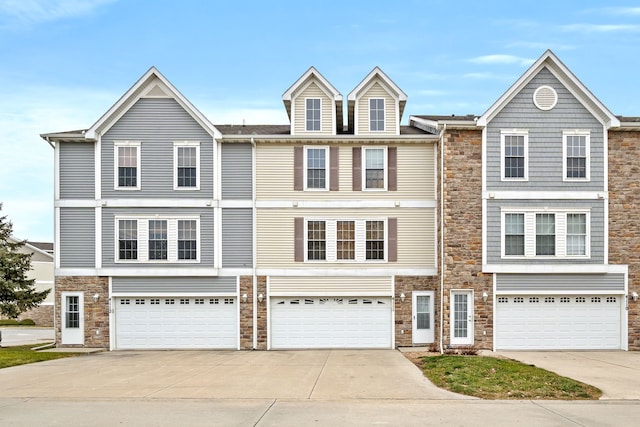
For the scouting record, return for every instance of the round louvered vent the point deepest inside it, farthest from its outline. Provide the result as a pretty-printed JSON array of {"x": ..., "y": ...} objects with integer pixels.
[{"x": 545, "y": 98}]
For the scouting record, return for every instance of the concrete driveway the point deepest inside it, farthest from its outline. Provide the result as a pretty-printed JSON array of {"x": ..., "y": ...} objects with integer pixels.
[
  {"x": 616, "y": 373},
  {"x": 317, "y": 374}
]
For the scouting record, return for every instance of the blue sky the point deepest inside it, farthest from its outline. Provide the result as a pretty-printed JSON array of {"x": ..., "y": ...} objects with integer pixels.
[{"x": 65, "y": 62}]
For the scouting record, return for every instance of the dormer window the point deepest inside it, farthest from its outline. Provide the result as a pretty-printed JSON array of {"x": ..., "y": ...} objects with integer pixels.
[
  {"x": 313, "y": 114},
  {"x": 376, "y": 114}
]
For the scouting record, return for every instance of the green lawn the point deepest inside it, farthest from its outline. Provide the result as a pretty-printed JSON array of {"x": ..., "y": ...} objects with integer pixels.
[
  {"x": 20, "y": 355},
  {"x": 493, "y": 378}
]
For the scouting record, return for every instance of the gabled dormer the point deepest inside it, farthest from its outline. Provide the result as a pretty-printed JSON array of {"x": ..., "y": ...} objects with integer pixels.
[
  {"x": 376, "y": 105},
  {"x": 314, "y": 106}
]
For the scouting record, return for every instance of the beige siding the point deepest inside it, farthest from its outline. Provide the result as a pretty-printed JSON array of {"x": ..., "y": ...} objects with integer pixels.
[
  {"x": 416, "y": 237},
  {"x": 336, "y": 286},
  {"x": 415, "y": 172},
  {"x": 299, "y": 105},
  {"x": 391, "y": 119}
]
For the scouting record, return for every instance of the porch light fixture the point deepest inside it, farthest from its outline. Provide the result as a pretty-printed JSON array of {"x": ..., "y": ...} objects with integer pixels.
[
  {"x": 260, "y": 297},
  {"x": 402, "y": 297},
  {"x": 485, "y": 296},
  {"x": 634, "y": 296},
  {"x": 96, "y": 297},
  {"x": 244, "y": 297}
]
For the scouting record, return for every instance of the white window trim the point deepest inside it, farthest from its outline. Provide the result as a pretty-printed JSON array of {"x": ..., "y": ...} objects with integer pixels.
[
  {"x": 116, "y": 145},
  {"x": 530, "y": 233},
  {"x": 331, "y": 241},
  {"x": 177, "y": 144},
  {"x": 384, "y": 113},
  {"x": 577, "y": 132},
  {"x": 143, "y": 239},
  {"x": 327, "y": 168},
  {"x": 514, "y": 132},
  {"x": 306, "y": 111},
  {"x": 364, "y": 168}
]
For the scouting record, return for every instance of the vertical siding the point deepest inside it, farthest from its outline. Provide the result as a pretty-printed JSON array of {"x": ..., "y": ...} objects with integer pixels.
[
  {"x": 179, "y": 285},
  {"x": 157, "y": 123},
  {"x": 415, "y": 239},
  {"x": 327, "y": 126},
  {"x": 237, "y": 171},
  {"x": 206, "y": 235},
  {"x": 415, "y": 175},
  {"x": 77, "y": 238},
  {"x": 545, "y": 139},
  {"x": 391, "y": 119},
  {"x": 237, "y": 238},
  {"x": 494, "y": 231},
  {"x": 77, "y": 170}
]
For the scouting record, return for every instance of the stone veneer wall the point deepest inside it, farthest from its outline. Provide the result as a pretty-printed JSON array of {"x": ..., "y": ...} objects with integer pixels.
[
  {"x": 246, "y": 313},
  {"x": 262, "y": 313},
  {"x": 624, "y": 217},
  {"x": 463, "y": 231},
  {"x": 96, "y": 314},
  {"x": 403, "y": 310},
  {"x": 41, "y": 315}
]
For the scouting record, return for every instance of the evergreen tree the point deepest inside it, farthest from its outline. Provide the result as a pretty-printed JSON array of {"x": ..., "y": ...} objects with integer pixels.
[{"x": 17, "y": 293}]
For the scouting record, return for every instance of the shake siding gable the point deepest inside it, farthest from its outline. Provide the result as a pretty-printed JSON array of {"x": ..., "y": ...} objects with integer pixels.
[
  {"x": 157, "y": 123},
  {"x": 327, "y": 125},
  {"x": 390, "y": 111},
  {"x": 545, "y": 139},
  {"x": 77, "y": 170}
]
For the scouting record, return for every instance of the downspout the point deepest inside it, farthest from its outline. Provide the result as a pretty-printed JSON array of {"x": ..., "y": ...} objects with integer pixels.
[
  {"x": 254, "y": 249},
  {"x": 442, "y": 263}
]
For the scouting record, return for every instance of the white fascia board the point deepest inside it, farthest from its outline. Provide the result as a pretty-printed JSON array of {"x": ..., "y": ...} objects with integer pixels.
[
  {"x": 130, "y": 99},
  {"x": 346, "y": 271},
  {"x": 560, "y": 291},
  {"x": 545, "y": 195},
  {"x": 556, "y": 268},
  {"x": 346, "y": 204},
  {"x": 327, "y": 87},
  {"x": 391, "y": 87}
]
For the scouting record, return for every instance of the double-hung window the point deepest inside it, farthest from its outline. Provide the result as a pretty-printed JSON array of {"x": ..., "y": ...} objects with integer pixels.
[
  {"x": 375, "y": 240},
  {"x": 576, "y": 234},
  {"x": 312, "y": 109},
  {"x": 345, "y": 240},
  {"x": 514, "y": 156},
  {"x": 187, "y": 240},
  {"x": 158, "y": 239},
  {"x": 576, "y": 155},
  {"x": 375, "y": 168},
  {"x": 186, "y": 160},
  {"x": 376, "y": 114},
  {"x": 514, "y": 234},
  {"x": 128, "y": 239},
  {"x": 127, "y": 165},
  {"x": 316, "y": 165},
  {"x": 316, "y": 241},
  {"x": 545, "y": 234}
]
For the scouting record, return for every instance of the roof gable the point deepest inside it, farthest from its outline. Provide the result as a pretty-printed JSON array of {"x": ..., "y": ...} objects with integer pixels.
[
  {"x": 152, "y": 84},
  {"x": 551, "y": 62}
]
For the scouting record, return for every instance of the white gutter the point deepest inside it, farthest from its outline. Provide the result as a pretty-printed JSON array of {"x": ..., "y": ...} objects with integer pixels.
[{"x": 444, "y": 128}]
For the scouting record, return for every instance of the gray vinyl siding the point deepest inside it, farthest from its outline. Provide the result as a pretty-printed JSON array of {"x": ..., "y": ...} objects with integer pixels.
[
  {"x": 157, "y": 123},
  {"x": 545, "y": 139},
  {"x": 559, "y": 282},
  {"x": 237, "y": 176},
  {"x": 178, "y": 285},
  {"x": 77, "y": 238},
  {"x": 77, "y": 170},
  {"x": 109, "y": 242},
  {"x": 494, "y": 232},
  {"x": 237, "y": 238}
]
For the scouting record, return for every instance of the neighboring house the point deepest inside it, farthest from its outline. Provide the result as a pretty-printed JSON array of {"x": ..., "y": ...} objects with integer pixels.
[
  {"x": 42, "y": 272},
  {"x": 538, "y": 250},
  {"x": 517, "y": 229}
]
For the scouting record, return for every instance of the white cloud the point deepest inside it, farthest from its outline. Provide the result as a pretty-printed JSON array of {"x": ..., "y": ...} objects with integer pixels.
[
  {"x": 600, "y": 28},
  {"x": 487, "y": 76},
  {"x": 540, "y": 46},
  {"x": 622, "y": 10},
  {"x": 502, "y": 59},
  {"x": 20, "y": 12}
]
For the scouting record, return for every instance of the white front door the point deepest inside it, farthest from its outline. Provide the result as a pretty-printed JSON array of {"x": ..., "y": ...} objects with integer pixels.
[
  {"x": 462, "y": 317},
  {"x": 72, "y": 331},
  {"x": 422, "y": 317}
]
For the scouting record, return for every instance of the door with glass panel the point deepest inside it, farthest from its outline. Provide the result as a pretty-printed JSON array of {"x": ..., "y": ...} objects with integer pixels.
[
  {"x": 462, "y": 317},
  {"x": 72, "y": 321},
  {"x": 422, "y": 318}
]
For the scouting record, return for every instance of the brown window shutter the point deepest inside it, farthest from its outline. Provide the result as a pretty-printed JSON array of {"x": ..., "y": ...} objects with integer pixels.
[
  {"x": 298, "y": 168},
  {"x": 334, "y": 177},
  {"x": 299, "y": 239},
  {"x": 357, "y": 169},
  {"x": 392, "y": 161},
  {"x": 392, "y": 233}
]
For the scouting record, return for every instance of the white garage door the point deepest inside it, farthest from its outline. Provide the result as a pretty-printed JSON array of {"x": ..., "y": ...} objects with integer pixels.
[
  {"x": 558, "y": 322},
  {"x": 176, "y": 323},
  {"x": 331, "y": 322}
]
